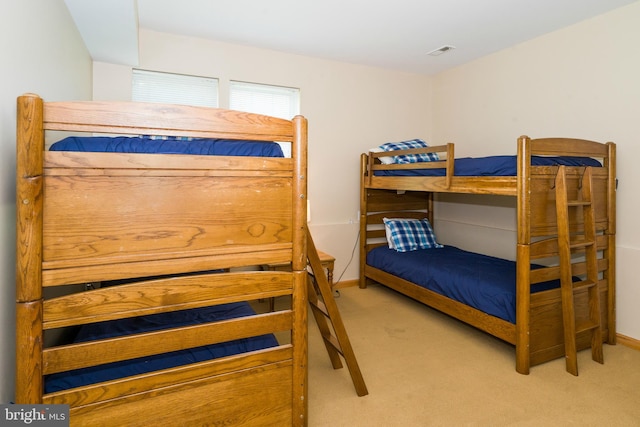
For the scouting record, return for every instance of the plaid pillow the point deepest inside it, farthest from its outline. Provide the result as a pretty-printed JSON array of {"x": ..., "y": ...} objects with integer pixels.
[
  {"x": 406, "y": 235},
  {"x": 410, "y": 158}
]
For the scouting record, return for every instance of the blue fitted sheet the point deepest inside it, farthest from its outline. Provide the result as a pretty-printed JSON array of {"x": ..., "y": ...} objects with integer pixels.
[
  {"x": 491, "y": 166},
  {"x": 154, "y": 322},
  {"x": 480, "y": 281},
  {"x": 172, "y": 145}
]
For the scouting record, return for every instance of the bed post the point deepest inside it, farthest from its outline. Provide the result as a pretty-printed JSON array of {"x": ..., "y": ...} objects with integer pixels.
[
  {"x": 610, "y": 253},
  {"x": 299, "y": 268},
  {"x": 363, "y": 219},
  {"x": 29, "y": 177},
  {"x": 523, "y": 254}
]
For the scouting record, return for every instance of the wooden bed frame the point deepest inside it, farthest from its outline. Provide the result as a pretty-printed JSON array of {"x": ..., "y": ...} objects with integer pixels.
[
  {"x": 537, "y": 334},
  {"x": 89, "y": 217}
]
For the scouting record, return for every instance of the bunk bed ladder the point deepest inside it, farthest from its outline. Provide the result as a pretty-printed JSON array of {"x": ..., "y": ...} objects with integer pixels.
[
  {"x": 324, "y": 307},
  {"x": 569, "y": 240}
]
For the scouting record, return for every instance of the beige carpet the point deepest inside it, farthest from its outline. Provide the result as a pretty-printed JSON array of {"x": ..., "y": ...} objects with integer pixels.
[{"x": 425, "y": 369}]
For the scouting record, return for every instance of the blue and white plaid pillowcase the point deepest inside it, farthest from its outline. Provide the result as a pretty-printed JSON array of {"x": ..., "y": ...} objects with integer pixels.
[
  {"x": 410, "y": 158},
  {"x": 406, "y": 235}
]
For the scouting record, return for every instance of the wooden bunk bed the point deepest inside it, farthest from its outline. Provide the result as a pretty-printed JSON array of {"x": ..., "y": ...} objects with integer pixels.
[
  {"x": 536, "y": 331},
  {"x": 108, "y": 237}
]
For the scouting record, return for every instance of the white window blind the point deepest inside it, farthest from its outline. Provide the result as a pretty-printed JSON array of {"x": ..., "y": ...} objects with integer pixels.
[
  {"x": 168, "y": 88},
  {"x": 276, "y": 101}
]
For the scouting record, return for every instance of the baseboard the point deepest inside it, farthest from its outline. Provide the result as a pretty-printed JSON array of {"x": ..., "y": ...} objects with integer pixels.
[
  {"x": 346, "y": 284},
  {"x": 628, "y": 342}
]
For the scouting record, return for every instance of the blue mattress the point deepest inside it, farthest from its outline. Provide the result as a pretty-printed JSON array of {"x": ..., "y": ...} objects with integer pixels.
[
  {"x": 170, "y": 145},
  {"x": 154, "y": 322},
  {"x": 479, "y": 281},
  {"x": 491, "y": 166}
]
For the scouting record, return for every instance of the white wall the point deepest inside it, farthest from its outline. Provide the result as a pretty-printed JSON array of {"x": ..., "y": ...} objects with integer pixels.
[
  {"x": 582, "y": 81},
  {"x": 350, "y": 109},
  {"x": 42, "y": 53}
]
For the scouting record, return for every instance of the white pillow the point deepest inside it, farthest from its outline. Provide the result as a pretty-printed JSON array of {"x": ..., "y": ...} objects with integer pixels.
[{"x": 387, "y": 160}]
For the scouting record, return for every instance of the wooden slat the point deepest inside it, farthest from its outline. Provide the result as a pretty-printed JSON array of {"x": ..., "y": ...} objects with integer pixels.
[
  {"x": 135, "y": 221},
  {"x": 377, "y": 218},
  {"x": 553, "y": 273},
  {"x": 61, "y": 163},
  {"x": 568, "y": 147},
  {"x": 390, "y": 200},
  {"x": 82, "y": 355},
  {"x": 493, "y": 325},
  {"x": 162, "y": 295},
  {"x": 376, "y": 234},
  {"x": 549, "y": 247},
  {"x": 171, "y": 263},
  {"x": 163, "y": 119},
  {"x": 168, "y": 378},
  {"x": 441, "y": 150},
  {"x": 441, "y": 164},
  {"x": 505, "y": 186}
]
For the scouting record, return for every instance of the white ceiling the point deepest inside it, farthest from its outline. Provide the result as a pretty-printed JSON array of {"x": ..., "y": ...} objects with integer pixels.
[{"x": 394, "y": 34}]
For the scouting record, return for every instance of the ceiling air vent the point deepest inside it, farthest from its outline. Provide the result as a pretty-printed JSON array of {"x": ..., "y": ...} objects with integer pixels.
[{"x": 439, "y": 51}]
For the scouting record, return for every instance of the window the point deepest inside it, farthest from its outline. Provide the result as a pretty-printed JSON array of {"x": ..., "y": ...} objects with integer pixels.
[
  {"x": 168, "y": 88},
  {"x": 276, "y": 101}
]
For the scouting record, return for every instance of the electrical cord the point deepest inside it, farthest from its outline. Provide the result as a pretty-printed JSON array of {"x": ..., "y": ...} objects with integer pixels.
[{"x": 353, "y": 252}]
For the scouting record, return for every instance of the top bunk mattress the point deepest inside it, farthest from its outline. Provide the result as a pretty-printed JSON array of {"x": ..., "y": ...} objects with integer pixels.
[
  {"x": 169, "y": 145},
  {"x": 480, "y": 281},
  {"x": 490, "y": 166}
]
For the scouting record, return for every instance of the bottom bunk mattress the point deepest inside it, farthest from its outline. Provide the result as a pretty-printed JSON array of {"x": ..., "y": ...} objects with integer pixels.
[
  {"x": 154, "y": 322},
  {"x": 480, "y": 281}
]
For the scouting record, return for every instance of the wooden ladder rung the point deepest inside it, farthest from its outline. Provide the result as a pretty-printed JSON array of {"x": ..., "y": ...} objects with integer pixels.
[
  {"x": 586, "y": 325},
  {"x": 320, "y": 308},
  {"x": 583, "y": 284},
  {"x": 578, "y": 203},
  {"x": 580, "y": 244},
  {"x": 319, "y": 305},
  {"x": 331, "y": 340}
]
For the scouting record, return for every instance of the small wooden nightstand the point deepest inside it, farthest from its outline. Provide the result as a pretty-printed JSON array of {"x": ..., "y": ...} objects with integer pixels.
[{"x": 326, "y": 260}]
